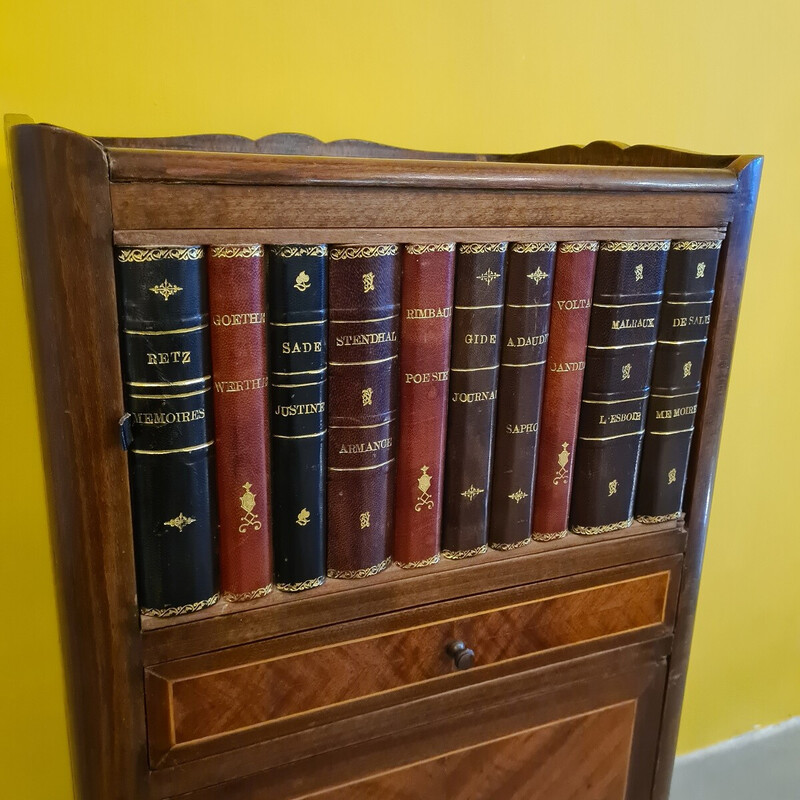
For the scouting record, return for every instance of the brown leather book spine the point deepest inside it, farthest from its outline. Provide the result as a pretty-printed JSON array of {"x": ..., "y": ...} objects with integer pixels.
[
  {"x": 474, "y": 368},
  {"x": 364, "y": 299},
  {"x": 526, "y": 322},
  {"x": 566, "y": 362},
  {"x": 628, "y": 287},
  {"x": 685, "y": 317},
  {"x": 237, "y": 301},
  {"x": 426, "y": 312}
]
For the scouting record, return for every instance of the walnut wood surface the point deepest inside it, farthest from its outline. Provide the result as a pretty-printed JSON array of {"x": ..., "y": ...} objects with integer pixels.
[
  {"x": 538, "y": 764},
  {"x": 200, "y": 167},
  {"x": 61, "y": 187},
  {"x": 395, "y": 589},
  {"x": 178, "y": 205},
  {"x": 231, "y": 690},
  {"x": 705, "y": 446},
  {"x": 428, "y": 730},
  {"x": 176, "y": 237}
]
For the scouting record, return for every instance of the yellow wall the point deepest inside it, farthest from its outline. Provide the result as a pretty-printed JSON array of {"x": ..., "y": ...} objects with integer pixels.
[{"x": 495, "y": 75}]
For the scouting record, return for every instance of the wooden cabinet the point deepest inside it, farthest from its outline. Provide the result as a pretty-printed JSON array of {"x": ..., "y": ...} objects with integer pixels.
[{"x": 576, "y": 649}]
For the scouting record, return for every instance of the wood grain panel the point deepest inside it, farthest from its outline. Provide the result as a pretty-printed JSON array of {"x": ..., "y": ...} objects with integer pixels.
[
  {"x": 581, "y": 758},
  {"x": 176, "y": 205},
  {"x": 208, "y": 699}
]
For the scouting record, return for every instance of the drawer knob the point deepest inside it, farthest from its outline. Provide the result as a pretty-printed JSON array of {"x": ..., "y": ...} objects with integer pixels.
[{"x": 462, "y": 656}]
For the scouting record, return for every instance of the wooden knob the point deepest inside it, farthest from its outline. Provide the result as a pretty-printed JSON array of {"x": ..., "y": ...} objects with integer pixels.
[{"x": 462, "y": 656}]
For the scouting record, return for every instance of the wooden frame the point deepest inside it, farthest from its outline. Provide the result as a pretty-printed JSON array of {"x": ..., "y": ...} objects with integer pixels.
[{"x": 77, "y": 196}]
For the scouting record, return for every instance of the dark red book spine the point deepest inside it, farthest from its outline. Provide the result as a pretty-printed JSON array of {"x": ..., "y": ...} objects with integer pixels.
[
  {"x": 425, "y": 328},
  {"x": 237, "y": 288},
  {"x": 566, "y": 362}
]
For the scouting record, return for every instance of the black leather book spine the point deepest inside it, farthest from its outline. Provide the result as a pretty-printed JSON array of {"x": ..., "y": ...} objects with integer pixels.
[
  {"x": 526, "y": 325},
  {"x": 685, "y": 317},
  {"x": 298, "y": 342},
  {"x": 474, "y": 370},
  {"x": 629, "y": 284},
  {"x": 163, "y": 302}
]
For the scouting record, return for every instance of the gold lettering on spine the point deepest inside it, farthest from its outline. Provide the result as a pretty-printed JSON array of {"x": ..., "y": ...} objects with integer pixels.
[
  {"x": 180, "y": 522},
  {"x": 563, "y": 461},
  {"x": 166, "y": 289},
  {"x": 303, "y": 518},
  {"x": 250, "y": 318},
  {"x": 248, "y": 503},
  {"x": 423, "y": 484}
]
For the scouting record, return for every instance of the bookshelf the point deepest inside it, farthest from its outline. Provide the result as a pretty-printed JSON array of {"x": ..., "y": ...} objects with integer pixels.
[{"x": 580, "y": 646}]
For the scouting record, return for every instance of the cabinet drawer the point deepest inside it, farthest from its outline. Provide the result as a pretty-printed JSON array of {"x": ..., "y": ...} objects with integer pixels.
[{"x": 247, "y": 689}]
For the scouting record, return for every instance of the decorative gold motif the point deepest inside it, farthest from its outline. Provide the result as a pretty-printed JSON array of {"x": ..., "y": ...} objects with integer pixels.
[
  {"x": 368, "y": 279},
  {"x": 471, "y": 493},
  {"x": 638, "y": 271},
  {"x": 489, "y": 276},
  {"x": 687, "y": 369},
  {"x": 176, "y": 611},
  {"x": 339, "y": 253},
  {"x": 311, "y": 583},
  {"x": 626, "y": 371},
  {"x": 537, "y": 276},
  {"x": 166, "y": 289},
  {"x": 363, "y": 519},
  {"x": 423, "y": 484},
  {"x": 303, "y": 282},
  {"x": 612, "y": 487},
  {"x": 457, "y": 555},
  {"x": 548, "y": 537},
  {"x": 710, "y": 245},
  {"x": 420, "y": 249},
  {"x": 355, "y": 574},
  {"x": 293, "y": 251},
  {"x": 425, "y": 562},
  {"x": 366, "y": 397},
  {"x": 577, "y": 247},
  {"x": 518, "y": 496},
  {"x": 634, "y": 247},
  {"x": 232, "y": 597},
  {"x": 303, "y": 518},
  {"x": 248, "y": 503},
  {"x": 234, "y": 251},
  {"x": 477, "y": 249},
  {"x": 534, "y": 247},
  {"x": 701, "y": 270},
  {"x": 563, "y": 460},
  {"x": 180, "y": 522},
  {"x": 140, "y": 255},
  {"x": 503, "y": 547},
  {"x": 672, "y": 475},
  {"x": 594, "y": 530},
  {"x": 652, "y": 520}
]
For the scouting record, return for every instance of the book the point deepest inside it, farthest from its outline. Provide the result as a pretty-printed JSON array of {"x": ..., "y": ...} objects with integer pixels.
[
  {"x": 298, "y": 361},
  {"x": 474, "y": 368},
  {"x": 526, "y": 323},
  {"x": 563, "y": 383},
  {"x": 163, "y": 309},
  {"x": 628, "y": 287},
  {"x": 426, "y": 320},
  {"x": 238, "y": 309},
  {"x": 364, "y": 298},
  {"x": 677, "y": 372}
]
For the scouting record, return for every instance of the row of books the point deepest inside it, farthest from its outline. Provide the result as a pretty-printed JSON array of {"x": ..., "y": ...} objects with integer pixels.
[{"x": 301, "y": 412}]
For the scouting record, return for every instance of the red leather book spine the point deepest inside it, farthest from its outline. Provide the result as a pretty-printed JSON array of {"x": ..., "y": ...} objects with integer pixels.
[
  {"x": 237, "y": 289},
  {"x": 566, "y": 362},
  {"x": 426, "y": 320},
  {"x": 364, "y": 321}
]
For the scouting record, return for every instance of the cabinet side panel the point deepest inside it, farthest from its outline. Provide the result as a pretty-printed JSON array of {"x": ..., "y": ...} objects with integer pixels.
[
  {"x": 705, "y": 449},
  {"x": 63, "y": 205}
]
